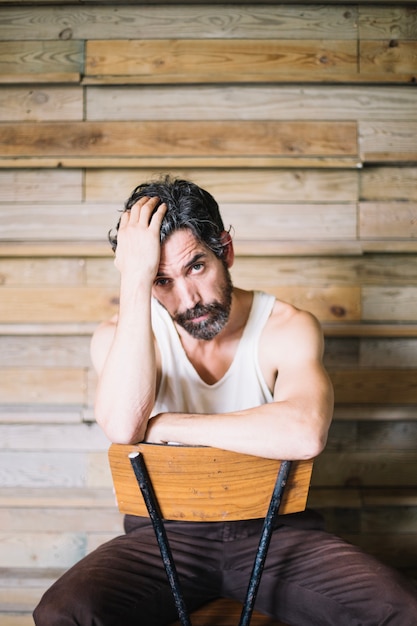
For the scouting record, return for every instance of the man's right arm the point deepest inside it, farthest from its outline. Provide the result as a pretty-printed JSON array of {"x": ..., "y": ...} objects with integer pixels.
[{"x": 123, "y": 350}]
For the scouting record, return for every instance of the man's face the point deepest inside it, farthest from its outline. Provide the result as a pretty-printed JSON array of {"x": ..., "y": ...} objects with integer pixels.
[{"x": 193, "y": 285}]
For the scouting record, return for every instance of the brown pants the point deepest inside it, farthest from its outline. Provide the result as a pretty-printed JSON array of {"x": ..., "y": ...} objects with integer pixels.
[{"x": 310, "y": 577}]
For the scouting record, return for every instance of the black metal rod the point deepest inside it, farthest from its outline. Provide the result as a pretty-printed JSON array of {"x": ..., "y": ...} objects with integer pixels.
[
  {"x": 145, "y": 484},
  {"x": 264, "y": 542}
]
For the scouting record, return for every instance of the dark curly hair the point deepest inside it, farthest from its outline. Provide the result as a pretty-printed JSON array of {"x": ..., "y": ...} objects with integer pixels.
[{"x": 188, "y": 206}]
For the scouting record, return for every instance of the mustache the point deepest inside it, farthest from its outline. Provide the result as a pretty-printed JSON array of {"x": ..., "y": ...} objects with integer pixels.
[{"x": 197, "y": 311}]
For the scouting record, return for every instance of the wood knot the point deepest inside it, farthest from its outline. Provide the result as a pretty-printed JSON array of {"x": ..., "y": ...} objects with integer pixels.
[
  {"x": 65, "y": 34},
  {"x": 338, "y": 311},
  {"x": 393, "y": 43}
]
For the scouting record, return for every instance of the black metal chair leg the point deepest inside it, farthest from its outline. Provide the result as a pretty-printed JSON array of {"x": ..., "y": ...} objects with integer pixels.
[
  {"x": 264, "y": 542},
  {"x": 149, "y": 497}
]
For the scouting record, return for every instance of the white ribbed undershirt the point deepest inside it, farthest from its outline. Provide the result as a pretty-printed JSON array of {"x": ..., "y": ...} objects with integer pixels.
[{"x": 242, "y": 386}]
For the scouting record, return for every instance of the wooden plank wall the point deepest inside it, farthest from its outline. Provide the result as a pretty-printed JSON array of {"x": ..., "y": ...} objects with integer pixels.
[{"x": 301, "y": 118}]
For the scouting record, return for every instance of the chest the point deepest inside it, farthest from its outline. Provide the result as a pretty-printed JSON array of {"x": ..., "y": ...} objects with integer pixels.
[{"x": 212, "y": 362}]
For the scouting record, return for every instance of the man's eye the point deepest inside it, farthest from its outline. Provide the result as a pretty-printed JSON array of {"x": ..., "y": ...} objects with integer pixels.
[
  {"x": 198, "y": 267},
  {"x": 161, "y": 282}
]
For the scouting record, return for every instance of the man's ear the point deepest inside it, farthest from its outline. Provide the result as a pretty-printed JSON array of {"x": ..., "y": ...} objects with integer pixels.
[{"x": 228, "y": 250}]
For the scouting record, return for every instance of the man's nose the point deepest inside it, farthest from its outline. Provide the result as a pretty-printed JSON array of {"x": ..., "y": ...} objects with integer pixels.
[{"x": 188, "y": 295}]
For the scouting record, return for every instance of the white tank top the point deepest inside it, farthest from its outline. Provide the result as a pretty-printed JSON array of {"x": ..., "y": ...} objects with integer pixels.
[{"x": 242, "y": 387}]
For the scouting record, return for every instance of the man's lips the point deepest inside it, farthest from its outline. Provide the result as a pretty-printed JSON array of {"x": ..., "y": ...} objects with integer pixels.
[{"x": 200, "y": 318}]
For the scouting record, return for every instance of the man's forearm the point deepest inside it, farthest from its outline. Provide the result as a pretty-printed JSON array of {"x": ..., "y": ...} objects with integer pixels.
[
  {"x": 127, "y": 383},
  {"x": 281, "y": 430}
]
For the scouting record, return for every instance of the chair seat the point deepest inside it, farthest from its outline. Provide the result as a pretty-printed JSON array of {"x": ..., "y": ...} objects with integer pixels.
[{"x": 224, "y": 612}]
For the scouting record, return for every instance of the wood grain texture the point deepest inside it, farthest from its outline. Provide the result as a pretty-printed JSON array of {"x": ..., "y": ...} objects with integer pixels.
[
  {"x": 198, "y": 20},
  {"x": 250, "y": 102},
  {"x": 217, "y": 60},
  {"x": 68, "y": 304},
  {"x": 25, "y": 103},
  {"x": 375, "y": 386},
  {"x": 383, "y": 220},
  {"x": 205, "y": 484},
  {"x": 31, "y": 60},
  {"x": 180, "y": 139}
]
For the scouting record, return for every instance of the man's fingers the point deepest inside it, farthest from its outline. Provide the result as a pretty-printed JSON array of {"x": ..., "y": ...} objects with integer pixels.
[
  {"x": 136, "y": 209},
  {"x": 159, "y": 214},
  {"x": 147, "y": 209},
  {"x": 143, "y": 212}
]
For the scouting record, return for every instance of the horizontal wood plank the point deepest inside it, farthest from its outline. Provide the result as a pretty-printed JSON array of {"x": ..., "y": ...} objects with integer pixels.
[
  {"x": 60, "y": 221},
  {"x": 375, "y": 386},
  {"x": 63, "y": 520},
  {"x": 245, "y": 60},
  {"x": 51, "y": 351},
  {"x": 374, "y": 412},
  {"x": 369, "y": 271},
  {"x": 68, "y": 304},
  {"x": 43, "y": 386},
  {"x": 76, "y": 437},
  {"x": 369, "y": 330},
  {"x": 380, "y": 22},
  {"x": 388, "y": 184},
  {"x": 110, "y": 22},
  {"x": 388, "y": 352},
  {"x": 56, "y": 498},
  {"x": 291, "y": 221},
  {"x": 40, "y": 59},
  {"x": 41, "y": 104},
  {"x": 33, "y": 186},
  {"x": 383, "y": 220},
  {"x": 49, "y": 550},
  {"x": 164, "y": 163},
  {"x": 254, "y": 102},
  {"x": 54, "y": 469},
  {"x": 266, "y": 185},
  {"x": 390, "y": 56},
  {"x": 179, "y": 139},
  {"x": 389, "y": 303},
  {"x": 388, "y": 141},
  {"x": 365, "y": 469}
]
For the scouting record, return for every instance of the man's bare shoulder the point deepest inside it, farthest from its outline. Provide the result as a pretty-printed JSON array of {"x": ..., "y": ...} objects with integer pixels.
[
  {"x": 292, "y": 328},
  {"x": 285, "y": 314}
]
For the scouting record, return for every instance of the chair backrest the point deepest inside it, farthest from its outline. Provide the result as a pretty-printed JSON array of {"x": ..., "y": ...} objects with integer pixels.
[{"x": 194, "y": 483}]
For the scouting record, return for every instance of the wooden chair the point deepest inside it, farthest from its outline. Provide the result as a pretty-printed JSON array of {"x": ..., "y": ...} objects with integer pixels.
[{"x": 193, "y": 483}]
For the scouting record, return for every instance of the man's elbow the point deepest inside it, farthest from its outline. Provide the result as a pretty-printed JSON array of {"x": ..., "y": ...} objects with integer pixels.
[
  {"x": 314, "y": 446},
  {"x": 119, "y": 433},
  {"x": 315, "y": 441}
]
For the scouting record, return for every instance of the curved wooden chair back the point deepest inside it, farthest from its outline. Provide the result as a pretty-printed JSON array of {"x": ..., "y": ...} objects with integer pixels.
[{"x": 193, "y": 483}]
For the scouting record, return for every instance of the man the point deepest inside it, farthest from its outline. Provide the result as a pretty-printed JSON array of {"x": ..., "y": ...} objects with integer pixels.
[{"x": 191, "y": 359}]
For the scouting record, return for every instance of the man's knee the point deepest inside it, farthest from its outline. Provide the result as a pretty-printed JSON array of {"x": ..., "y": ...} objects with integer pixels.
[
  {"x": 49, "y": 614},
  {"x": 58, "y": 607}
]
